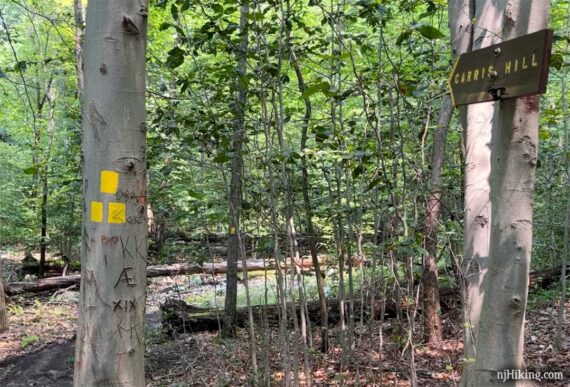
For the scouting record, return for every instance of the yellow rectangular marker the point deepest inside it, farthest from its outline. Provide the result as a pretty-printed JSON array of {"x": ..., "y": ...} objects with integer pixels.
[
  {"x": 96, "y": 212},
  {"x": 117, "y": 213},
  {"x": 109, "y": 182}
]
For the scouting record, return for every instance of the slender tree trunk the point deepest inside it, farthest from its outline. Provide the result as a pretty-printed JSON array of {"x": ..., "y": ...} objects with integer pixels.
[
  {"x": 562, "y": 307},
  {"x": 564, "y": 258},
  {"x": 79, "y": 26},
  {"x": 266, "y": 100},
  {"x": 110, "y": 338},
  {"x": 235, "y": 199},
  {"x": 307, "y": 199},
  {"x": 49, "y": 97},
  {"x": 251, "y": 324},
  {"x": 500, "y": 337},
  {"x": 288, "y": 198},
  {"x": 4, "y": 323},
  {"x": 43, "y": 226},
  {"x": 431, "y": 306}
]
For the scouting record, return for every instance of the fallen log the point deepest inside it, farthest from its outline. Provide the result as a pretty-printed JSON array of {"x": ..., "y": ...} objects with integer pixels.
[
  {"x": 182, "y": 317},
  {"x": 51, "y": 283},
  {"x": 545, "y": 278},
  {"x": 179, "y": 316},
  {"x": 174, "y": 269}
]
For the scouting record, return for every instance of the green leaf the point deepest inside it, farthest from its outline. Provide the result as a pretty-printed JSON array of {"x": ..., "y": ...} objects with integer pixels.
[
  {"x": 357, "y": 171},
  {"x": 543, "y": 134},
  {"x": 174, "y": 11},
  {"x": 254, "y": 16},
  {"x": 175, "y": 57},
  {"x": 430, "y": 32},
  {"x": 403, "y": 36},
  {"x": 21, "y": 66},
  {"x": 30, "y": 170},
  {"x": 221, "y": 158},
  {"x": 164, "y": 26},
  {"x": 373, "y": 183},
  {"x": 321, "y": 86},
  {"x": 557, "y": 61},
  {"x": 217, "y": 8},
  {"x": 196, "y": 195}
]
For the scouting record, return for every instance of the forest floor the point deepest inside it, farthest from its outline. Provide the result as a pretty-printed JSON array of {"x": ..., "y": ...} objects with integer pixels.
[{"x": 38, "y": 349}]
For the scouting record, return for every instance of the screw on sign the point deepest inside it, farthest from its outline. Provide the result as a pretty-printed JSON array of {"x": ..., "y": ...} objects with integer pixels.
[{"x": 514, "y": 68}]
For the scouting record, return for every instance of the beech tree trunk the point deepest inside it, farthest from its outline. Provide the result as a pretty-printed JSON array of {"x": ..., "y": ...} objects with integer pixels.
[
  {"x": 486, "y": 31},
  {"x": 513, "y": 163},
  {"x": 110, "y": 338}
]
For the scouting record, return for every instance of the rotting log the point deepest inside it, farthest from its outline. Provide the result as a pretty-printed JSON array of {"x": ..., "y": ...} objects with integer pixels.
[
  {"x": 42, "y": 284},
  {"x": 50, "y": 283},
  {"x": 174, "y": 269},
  {"x": 179, "y": 316}
]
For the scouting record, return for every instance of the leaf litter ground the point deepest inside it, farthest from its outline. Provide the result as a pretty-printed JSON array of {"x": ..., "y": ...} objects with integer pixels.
[{"x": 38, "y": 350}]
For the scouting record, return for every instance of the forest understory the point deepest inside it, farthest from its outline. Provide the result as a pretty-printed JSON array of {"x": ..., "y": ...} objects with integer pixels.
[
  {"x": 39, "y": 347},
  {"x": 402, "y": 166}
]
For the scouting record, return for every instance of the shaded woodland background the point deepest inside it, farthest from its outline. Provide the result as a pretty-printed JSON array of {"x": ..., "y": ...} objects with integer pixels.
[{"x": 326, "y": 110}]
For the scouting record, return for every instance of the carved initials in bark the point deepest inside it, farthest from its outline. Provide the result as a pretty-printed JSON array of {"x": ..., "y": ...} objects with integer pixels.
[
  {"x": 138, "y": 248},
  {"x": 124, "y": 305},
  {"x": 124, "y": 276},
  {"x": 109, "y": 239}
]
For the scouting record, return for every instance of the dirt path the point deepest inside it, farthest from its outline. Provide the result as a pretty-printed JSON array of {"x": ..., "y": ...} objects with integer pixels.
[{"x": 51, "y": 366}]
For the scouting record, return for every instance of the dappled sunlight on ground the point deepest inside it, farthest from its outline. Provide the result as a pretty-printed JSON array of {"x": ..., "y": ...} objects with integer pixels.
[{"x": 378, "y": 358}]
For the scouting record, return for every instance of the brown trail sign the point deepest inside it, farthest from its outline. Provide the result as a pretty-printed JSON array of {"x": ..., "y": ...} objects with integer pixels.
[{"x": 510, "y": 69}]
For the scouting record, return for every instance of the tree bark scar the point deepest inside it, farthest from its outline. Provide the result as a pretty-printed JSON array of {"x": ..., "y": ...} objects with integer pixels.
[
  {"x": 143, "y": 11},
  {"x": 530, "y": 103},
  {"x": 482, "y": 220},
  {"x": 96, "y": 120},
  {"x": 111, "y": 39},
  {"x": 510, "y": 15},
  {"x": 129, "y": 26},
  {"x": 529, "y": 150},
  {"x": 516, "y": 305}
]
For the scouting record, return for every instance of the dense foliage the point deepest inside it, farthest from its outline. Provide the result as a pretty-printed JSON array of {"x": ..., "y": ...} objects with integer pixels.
[{"x": 374, "y": 72}]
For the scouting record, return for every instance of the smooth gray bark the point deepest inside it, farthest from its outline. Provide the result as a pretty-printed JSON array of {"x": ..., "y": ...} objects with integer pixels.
[
  {"x": 500, "y": 336},
  {"x": 110, "y": 338},
  {"x": 485, "y": 31}
]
